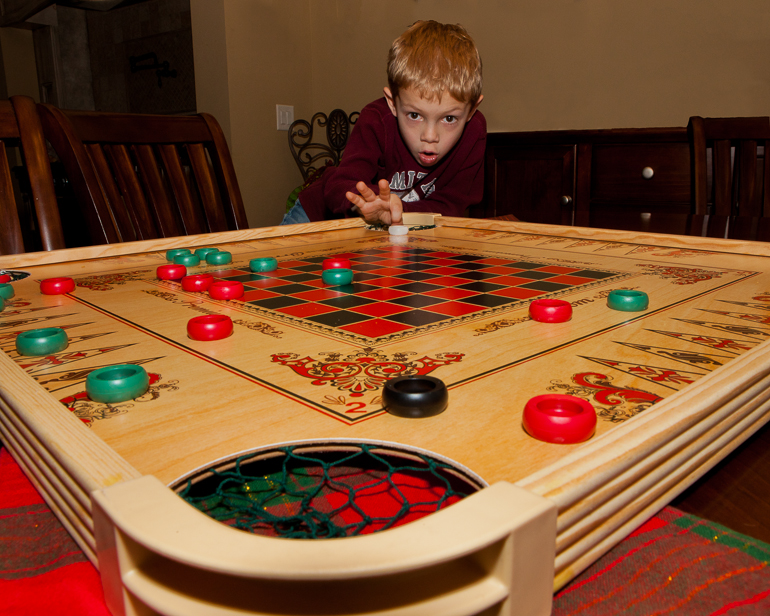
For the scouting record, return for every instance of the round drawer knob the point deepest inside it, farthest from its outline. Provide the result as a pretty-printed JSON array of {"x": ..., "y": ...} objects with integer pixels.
[
  {"x": 647, "y": 173},
  {"x": 566, "y": 200}
]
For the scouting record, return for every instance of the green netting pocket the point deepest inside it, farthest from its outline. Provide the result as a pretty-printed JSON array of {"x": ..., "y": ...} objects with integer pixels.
[{"x": 325, "y": 490}]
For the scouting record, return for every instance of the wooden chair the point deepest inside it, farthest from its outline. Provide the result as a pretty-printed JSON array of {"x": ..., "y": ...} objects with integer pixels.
[
  {"x": 311, "y": 156},
  {"x": 731, "y": 176},
  {"x": 20, "y": 125},
  {"x": 143, "y": 176}
]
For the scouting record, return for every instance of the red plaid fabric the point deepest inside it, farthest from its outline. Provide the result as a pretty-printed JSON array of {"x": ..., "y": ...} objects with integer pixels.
[{"x": 674, "y": 564}]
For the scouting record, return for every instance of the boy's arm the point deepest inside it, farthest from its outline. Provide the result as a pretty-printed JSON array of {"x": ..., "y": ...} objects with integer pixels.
[{"x": 359, "y": 165}]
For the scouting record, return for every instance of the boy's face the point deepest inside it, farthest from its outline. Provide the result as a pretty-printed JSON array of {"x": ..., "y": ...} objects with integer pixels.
[{"x": 430, "y": 129}]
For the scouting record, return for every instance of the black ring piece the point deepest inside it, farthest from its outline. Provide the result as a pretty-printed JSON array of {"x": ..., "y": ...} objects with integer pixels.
[{"x": 414, "y": 397}]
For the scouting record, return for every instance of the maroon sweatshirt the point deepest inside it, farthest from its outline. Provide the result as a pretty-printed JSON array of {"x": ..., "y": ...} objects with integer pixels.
[{"x": 376, "y": 151}]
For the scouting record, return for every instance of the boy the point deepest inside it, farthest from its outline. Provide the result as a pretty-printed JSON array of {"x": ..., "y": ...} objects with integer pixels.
[{"x": 419, "y": 149}]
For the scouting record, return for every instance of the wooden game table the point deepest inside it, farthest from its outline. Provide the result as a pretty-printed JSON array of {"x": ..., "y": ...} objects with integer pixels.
[{"x": 676, "y": 388}]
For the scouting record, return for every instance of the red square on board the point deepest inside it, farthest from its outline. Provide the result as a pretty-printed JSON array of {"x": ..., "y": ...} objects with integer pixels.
[
  {"x": 380, "y": 309},
  {"x": 386, "y": 281},
  {"x": 502, "y": 271},
  {"x": 306, "y": 310},
  {"x": 518, "y": 293},
  {"x": 318, "y": 295},
  {"x": 388, "y": 271},
  {"x": 383, "y": 294},
  {"x": 265, "y": 283},
  {"x": 279, "y": 273},
  {"x": 447, "y": 271},
  {"x": 229, "y": 273},
  {"x": 454, "y": 309},
  {"x": 250, "y": 296},
  {"x": 448, "y": 281},
  {"x": 509, "y": 281},
  {"x": 442, "y": 262},
  {"x": 451, "y": 293},
  {"x": 374, "y": 328},
  {"x": 390, "y": 262},
  {"x": 492, "y": 261},
  {"x": 317, "y": 282}
]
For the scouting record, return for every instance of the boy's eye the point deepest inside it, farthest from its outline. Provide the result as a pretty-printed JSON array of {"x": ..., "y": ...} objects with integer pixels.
[
  {"x": 450, "y": 119},
  {"x": 413, "y": 115}
]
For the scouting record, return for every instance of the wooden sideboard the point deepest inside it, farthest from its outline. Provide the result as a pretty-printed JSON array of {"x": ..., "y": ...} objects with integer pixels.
[{"x": 630, "y": 179}]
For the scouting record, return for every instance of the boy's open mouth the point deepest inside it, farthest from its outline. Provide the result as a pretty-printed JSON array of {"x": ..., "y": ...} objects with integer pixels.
[{"x": 428, "y": 158}]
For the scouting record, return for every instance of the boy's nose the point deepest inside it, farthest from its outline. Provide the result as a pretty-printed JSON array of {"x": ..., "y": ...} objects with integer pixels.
[{"x": 429, "y": 134}]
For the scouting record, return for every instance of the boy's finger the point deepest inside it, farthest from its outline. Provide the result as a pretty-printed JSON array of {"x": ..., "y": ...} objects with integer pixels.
[
  {"x": 396, "y": 212},
  {"x": 366, "y": 192},
  {"x": 355, "y": 199},
  {"x": 384, "y": 190}
]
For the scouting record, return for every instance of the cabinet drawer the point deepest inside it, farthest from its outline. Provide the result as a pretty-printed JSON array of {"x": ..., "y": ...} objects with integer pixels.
[{"x": 642, "y": 172}]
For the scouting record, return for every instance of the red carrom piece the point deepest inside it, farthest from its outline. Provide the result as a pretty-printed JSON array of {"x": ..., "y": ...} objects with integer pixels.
[
  {"x": 5, "y": 278},
  {"x": 559, "y": 418},
  {"x": 336, "y": 263},
  {"x": 57, "y": 286},
  {"x": 550, "y": 310},
  {"x": 210, "y": 327},
  {"x": 197, "y": 282},
  {"x": 226, "y": 289},
  {"x": 171, "y": 271}
]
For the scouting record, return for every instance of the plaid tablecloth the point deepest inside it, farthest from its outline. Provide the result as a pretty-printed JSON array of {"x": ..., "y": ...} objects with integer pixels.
[{"x": 674, "y": 564}]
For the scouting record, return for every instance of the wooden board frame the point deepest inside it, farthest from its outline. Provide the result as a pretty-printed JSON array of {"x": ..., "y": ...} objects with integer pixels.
[{"x": 146, "y": 542}]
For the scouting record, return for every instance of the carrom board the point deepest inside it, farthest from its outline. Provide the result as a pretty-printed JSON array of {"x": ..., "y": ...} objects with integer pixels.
[{"x": 676, "y": 386}]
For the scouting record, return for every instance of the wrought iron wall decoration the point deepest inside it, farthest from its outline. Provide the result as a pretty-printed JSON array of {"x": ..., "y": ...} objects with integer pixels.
[{"x": 314, "y": 155}]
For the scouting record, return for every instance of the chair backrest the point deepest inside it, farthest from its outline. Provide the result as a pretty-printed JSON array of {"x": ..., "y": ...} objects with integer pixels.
[
  {"x": 731, "y": 176},
  {"x": 314, "y": 155},
  {"x": 144, "y": 176},
  {"x": 20, "y": 125}
]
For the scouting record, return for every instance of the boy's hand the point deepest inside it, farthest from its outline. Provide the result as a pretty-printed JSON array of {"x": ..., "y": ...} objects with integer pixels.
[{"x": 385, "y": 207}]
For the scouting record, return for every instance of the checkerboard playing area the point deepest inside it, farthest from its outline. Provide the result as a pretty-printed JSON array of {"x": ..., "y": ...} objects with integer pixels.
[{"x": 397, "y": 289}]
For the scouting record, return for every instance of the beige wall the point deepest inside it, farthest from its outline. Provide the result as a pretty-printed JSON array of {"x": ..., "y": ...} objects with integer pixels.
[
  {"x": 260, "y": 62},
  {"x": 547, "y": 65}
]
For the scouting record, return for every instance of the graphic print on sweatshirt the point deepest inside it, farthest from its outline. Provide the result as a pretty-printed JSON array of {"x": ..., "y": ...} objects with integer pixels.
[{"x": 405, "y": 190}]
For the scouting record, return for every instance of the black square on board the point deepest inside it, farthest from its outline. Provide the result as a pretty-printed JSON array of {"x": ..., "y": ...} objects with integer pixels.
[
  {"x": 544, "y": 285},
  {"x": 468, "y": 258},
  {"x": 533, "y": 275},
  {"x": 481, "y": 287},
  {"x": 338, "y": 318},
  {"x": 489, "y": 301},
  {"x": 417, "y": 276},
  {"x": 415, "y": 267},
  {"x": 470, "y": 266},
  {"x": 291, "y": 289},
  {"x": 417, "y": 301},
  {"x": 475, "y": 275},
  {"x": 346, "y": 301},
  {"x": 245, "y": 277},
  {"x": 417, "y": 318},
  {"x": 300, "y": 277},
  {"x": 417, "y": 287},
  {"x": 310, "y": 267},
  {"x": 273, "y": 303}
]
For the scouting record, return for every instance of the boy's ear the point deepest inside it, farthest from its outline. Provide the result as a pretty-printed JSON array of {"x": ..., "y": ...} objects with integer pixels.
[
  {"x": 391, "y": 100},
  {"x": 476, "y": 106}
]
